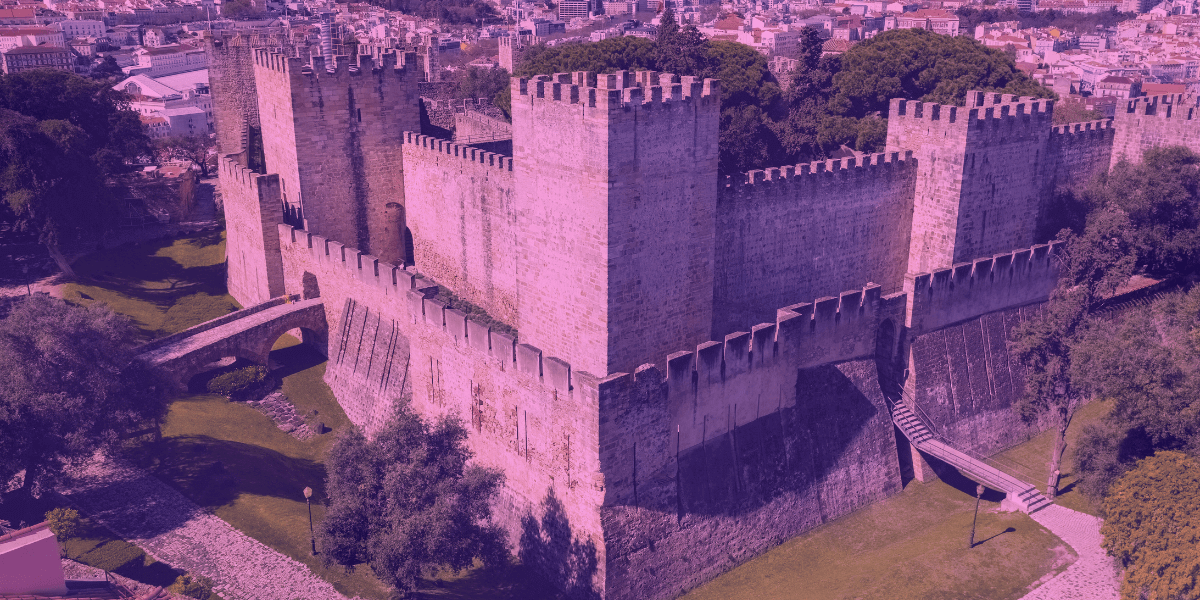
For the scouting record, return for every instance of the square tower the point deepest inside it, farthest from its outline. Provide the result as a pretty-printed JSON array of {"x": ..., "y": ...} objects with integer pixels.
[
  {"x": 334, "y": 133},
  {"x": 616, "y": 192},
  {"x": 978, "y": 189}
]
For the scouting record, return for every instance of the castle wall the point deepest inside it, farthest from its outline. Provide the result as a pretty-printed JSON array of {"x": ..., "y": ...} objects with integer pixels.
[
  {"x": 965, "y": 382},
  {"x": 253, "y": 207},
  {"x": 808, "y": 231},
  {"x": 1144, "y": 123},
  {"x": 616, "y": 189},
  {"x": 529, "y": 415},
  {"x": 234, "y": 94},
  {"x": 949, "y": 296},
  {"x": 1076, "y": 153},
  {"x": 461, "y": 210},
  {"x": 334, "y": 137},
  {"x": 744, "y": 444},
  {"x": 963, "y": 377},
  {"x": 978, "y": 189}
]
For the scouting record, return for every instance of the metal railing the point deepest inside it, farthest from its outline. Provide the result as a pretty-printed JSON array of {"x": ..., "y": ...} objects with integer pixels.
[{"x": 1001, "y": 476}]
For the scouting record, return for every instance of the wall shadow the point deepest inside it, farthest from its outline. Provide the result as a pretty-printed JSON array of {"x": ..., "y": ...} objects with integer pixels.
[
  {"x": 214, "y": 472},
  {"x": 548, "y": 547},
  {"x": 786, "y": 451}
]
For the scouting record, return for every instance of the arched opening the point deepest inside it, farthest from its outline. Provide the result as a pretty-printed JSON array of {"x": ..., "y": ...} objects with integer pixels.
[{"x": 296, "y": 350}]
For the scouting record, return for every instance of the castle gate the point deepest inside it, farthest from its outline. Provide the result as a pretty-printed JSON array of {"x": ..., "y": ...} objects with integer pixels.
[{"x": 249, "y": 333}]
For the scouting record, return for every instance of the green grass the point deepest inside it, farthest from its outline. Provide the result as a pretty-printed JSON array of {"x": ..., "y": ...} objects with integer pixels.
[
  {"x": 164, "y": 286},
  {"x": 95, "y": 545},
  {"x": 913, "y": 545},
  {"x": 256, "y": 487},
  {"x": 1031, "y": 460}
]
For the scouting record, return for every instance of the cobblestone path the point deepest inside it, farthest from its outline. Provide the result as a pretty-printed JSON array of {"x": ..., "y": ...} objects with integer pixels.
[
  {"x": 173, "y": 529},
  {"x": 1095, "y": 575}
]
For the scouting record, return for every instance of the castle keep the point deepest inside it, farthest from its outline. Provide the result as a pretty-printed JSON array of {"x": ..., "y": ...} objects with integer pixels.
[{"x": 675, "y": 371}]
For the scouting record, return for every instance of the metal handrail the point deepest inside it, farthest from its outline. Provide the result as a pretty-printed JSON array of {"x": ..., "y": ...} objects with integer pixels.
[{"x": 924, "y": 418}]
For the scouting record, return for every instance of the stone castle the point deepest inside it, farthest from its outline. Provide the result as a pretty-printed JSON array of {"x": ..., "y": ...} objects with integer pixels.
[{"x": 665, "y": 363}]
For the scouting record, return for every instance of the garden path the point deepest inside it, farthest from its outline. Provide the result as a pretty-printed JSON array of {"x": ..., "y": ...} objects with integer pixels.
[
  {"x": 173, "y": 529},
  {"x": 1094, "y": 575}
]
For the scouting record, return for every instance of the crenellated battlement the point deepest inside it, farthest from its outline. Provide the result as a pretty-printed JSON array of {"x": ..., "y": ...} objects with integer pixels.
[
  {"x": 1165, "y": 106},
  {"x": 467, "y": 153},
  {"x": 418, "y": 294},
  {"x": 623, "y": 90},
  {"x": 967, "y": 290},
  {"x": 882, "y": 164},
  {"x": 1102, "y": 127},
  {"x": 400, "y": 64},
  {"x": 232, "y": 170},
  {"x": 983, "y": 109}
]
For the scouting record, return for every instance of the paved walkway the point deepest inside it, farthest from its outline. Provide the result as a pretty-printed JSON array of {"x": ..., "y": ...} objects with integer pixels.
[
  {"x": 174, "y": 530},
  {"x": 1095, "y": 575}
]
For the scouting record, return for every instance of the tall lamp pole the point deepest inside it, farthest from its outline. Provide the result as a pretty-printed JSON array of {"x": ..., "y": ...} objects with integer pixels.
[
  {"x": 312, "y": 538},
  {"x": 978, "y": 495}
]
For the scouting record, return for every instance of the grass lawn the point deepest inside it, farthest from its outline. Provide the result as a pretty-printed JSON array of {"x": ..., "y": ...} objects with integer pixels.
[
  {"x": 1031, "y": 460},
  {"x": 165, "y": 286},
  {"x": 913, "y": 545}
]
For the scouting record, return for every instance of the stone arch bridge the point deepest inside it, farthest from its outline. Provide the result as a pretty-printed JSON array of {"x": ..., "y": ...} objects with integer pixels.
[{"x": 248, "y": 333}]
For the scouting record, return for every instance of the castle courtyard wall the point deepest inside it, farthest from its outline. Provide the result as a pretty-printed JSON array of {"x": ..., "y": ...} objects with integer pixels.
[
  {"x": 1145, "y": 123},
  {"x": 807, "y": 231},
  {"x": 462, "y": 214},
  {"x": 1076, "y": 154}
]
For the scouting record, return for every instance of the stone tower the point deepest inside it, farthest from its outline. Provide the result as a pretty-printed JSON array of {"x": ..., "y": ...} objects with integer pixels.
[
  {"x": 616, "y": 192},
  {"x": 978, "y": 175},
  {"x": 333, "y": 134}
]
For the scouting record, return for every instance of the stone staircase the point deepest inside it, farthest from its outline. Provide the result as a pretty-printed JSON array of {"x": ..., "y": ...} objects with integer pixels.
[{"x": 1022, "y": 495}]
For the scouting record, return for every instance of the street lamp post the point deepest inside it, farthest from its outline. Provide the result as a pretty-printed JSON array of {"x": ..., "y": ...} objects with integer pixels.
[
  {"x": 978, "y": 495},
  {"x": 312, "y": 537}
]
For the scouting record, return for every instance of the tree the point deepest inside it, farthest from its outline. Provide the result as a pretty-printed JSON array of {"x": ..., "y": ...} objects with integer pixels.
[
  {"x": 115, "y": 133},
  {"x": 1091, "y": 266},
  {"x": 49, "y": 183},
  {"x": 407, "y": 502},
  {"x": 476, "y": 82},
  {"x": 1074, "y": 112},
  {"x": 197, "y": 148},
  {"x": 1152, "y": 525},
  {"x": 107, "y": 68},
  {"x": 69, "y": 385},
  {"x": 1161, "y": 196},
  {"x": 920, "y": 64}
]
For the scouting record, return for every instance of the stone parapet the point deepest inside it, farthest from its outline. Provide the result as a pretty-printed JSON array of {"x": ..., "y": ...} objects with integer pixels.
[
  {"x": 466, "y": 153},
  {"x": 882, "y": 164}
]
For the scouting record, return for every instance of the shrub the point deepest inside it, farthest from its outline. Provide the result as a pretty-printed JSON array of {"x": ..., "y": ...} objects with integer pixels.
[
  {"x": 64, "y": 522},
  {"x": 242, "y": 384},
  {"x": 192, "y": 586}
]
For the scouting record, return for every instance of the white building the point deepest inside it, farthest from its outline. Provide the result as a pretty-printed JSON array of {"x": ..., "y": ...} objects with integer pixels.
[
  {"x": 168, "y": 60},
  {"x": 72, "y": 28},
  {"x": 173, "y": 105},
  {"x": 11, "y": 37}
]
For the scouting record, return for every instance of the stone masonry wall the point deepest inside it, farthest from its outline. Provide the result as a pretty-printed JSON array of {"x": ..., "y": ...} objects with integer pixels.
[
  {"x": 460, "y": 209},
  {"x": 616, "y": 191},
  {"x": 253, "y": 207},
  {"x": 1144, "y": 123},
  {"x": 529, "y": 415},
  {"x": 1076, "y": 153},
  {"x": 744, "y": 444},
  {"x": 235, "y": 96},
  {"x": 978, "y": 187},
  {"x": 334, "y": 136},
  {"x": 808, "y": 231}
]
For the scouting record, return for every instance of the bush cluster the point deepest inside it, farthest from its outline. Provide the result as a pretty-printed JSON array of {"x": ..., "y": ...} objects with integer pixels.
[
  {"x": 192, "y": 586},
  {"x": 245, "y": 383},
  {"x": 64, "y": 522}
]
